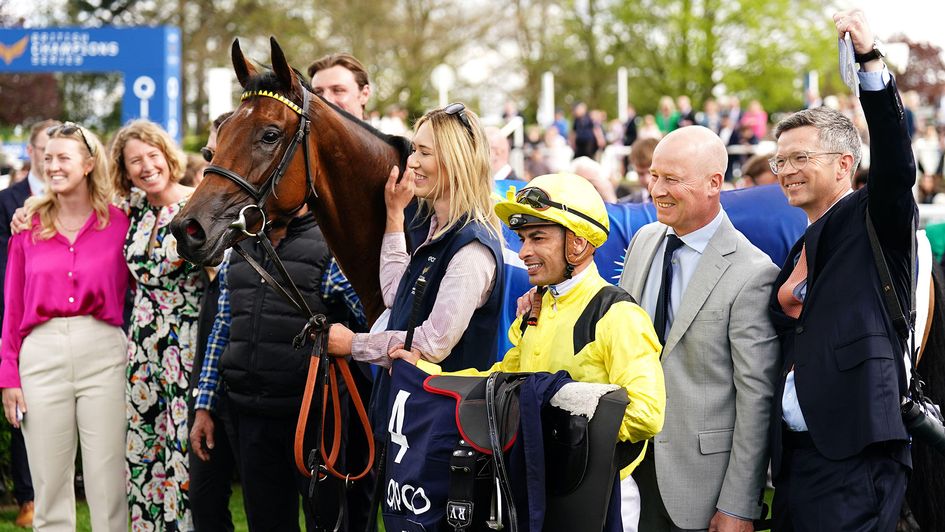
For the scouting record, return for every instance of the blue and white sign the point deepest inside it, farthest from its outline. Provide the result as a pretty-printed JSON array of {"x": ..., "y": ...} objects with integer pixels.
[{"x": 149, "y": 58}]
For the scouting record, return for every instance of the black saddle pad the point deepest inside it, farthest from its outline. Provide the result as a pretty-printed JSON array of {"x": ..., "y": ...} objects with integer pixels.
[{"x": 470, "y": 396}]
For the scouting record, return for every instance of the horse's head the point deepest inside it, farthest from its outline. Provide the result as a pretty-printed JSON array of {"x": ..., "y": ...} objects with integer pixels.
[{"x": 260, "y": 174}]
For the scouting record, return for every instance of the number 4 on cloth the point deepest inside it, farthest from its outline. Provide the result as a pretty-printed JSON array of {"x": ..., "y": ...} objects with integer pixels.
[{"x": 396, "y": 425}]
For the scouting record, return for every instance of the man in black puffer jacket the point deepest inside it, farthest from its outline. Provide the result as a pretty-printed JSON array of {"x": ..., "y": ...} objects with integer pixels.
[{"x": 264, "y": 376}]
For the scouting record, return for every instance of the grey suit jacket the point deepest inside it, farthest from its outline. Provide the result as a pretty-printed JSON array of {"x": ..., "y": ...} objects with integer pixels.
[{"x": 720, "y": 362}]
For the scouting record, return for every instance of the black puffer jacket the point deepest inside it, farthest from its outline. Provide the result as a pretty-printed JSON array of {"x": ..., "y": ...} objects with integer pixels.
[{"x": 263, "y": 373}]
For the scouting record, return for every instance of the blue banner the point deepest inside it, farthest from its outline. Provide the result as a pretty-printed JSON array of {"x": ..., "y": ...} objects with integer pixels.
[{"x": 149, "y": 59}]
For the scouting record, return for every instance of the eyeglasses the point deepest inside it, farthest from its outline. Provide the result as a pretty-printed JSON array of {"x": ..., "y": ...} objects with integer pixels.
[
  {"x": 459, "y": 110},
  {"x": 538, "y": 199},
  {"x": 207, "y": 154},
  {"x": 798, "y": 160},
  {"x": 69, "y": 128}
]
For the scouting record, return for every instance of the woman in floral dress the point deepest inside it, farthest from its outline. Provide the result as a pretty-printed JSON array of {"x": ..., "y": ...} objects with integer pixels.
[{"x": 163, "y": 328}]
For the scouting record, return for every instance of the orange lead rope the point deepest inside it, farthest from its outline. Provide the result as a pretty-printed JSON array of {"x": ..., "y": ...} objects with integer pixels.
[{"x": 329, "y": 385}]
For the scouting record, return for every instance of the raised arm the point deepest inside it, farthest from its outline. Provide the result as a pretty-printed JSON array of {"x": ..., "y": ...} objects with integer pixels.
[{"x": 892, "y": 163}]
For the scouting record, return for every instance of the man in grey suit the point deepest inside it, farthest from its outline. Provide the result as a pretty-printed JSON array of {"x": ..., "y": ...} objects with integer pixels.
[{"x": 707, "y": 468}]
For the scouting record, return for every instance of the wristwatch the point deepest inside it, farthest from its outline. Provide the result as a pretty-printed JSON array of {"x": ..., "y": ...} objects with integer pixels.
[{"x": 878, "y": 52}]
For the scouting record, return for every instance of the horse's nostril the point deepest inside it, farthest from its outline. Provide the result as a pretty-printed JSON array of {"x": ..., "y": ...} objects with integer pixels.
[{"x": 193, "y": 229}]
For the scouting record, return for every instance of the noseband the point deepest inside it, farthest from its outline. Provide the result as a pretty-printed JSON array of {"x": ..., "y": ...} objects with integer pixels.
[{"x": 261, "y": 194}]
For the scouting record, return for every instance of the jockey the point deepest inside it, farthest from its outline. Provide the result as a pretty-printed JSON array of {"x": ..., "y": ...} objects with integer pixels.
[{"x": 582, "y": 324}]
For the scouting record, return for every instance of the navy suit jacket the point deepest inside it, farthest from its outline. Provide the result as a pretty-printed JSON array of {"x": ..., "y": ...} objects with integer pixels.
[
  {"x": 846, "y": 354},
  {"x": 11, "y": 199}
]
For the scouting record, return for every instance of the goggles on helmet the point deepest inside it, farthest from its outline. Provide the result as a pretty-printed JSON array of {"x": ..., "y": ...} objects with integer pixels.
[{"x": 538, "y": 199}]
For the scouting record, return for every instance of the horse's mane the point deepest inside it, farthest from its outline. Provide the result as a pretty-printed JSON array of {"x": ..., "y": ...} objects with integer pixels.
[
  {"x": 927, "y": 485},
  {"x": 267, "y": 81}
]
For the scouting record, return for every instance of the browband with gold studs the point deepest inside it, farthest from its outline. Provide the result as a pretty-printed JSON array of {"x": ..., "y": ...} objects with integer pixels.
[{"x": 269, "y": 94}]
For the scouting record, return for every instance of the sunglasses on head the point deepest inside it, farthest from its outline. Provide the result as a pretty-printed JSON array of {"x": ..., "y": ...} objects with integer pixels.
[
  {"x": 69, "y": 128},
  {"x": 207, "y": 154},
  {"x": 457, "y": 109},
  {"x": 538, "y": 199}
]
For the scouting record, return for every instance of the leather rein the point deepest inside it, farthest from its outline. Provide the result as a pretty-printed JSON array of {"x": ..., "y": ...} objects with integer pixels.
[{"x": 323, "y": 369}]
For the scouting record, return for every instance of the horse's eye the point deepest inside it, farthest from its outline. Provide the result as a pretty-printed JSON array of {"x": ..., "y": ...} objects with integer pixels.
[{"x": 270, "y": 137}]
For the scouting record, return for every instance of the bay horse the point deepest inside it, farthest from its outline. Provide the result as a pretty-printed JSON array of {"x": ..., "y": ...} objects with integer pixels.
[
  {"x": 926, "y": 491},
  {"x": 285, "y": 147}
]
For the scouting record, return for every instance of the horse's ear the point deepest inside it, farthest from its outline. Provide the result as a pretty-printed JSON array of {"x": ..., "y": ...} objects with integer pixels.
[
  {"x": 280, "y": 66},
  {"x": 244, "y": 70}
]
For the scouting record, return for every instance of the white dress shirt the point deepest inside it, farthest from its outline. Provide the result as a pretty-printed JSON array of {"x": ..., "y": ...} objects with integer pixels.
[
  {"x": 37, "y": 184},
  {"x": 503, "y": 173}
]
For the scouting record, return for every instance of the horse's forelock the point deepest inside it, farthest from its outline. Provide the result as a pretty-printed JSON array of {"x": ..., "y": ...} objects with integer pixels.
[{"x": 268, "y": 81}]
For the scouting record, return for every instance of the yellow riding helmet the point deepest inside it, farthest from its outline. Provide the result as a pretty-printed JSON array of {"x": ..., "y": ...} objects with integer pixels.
[{"x": 566, "y": 199}]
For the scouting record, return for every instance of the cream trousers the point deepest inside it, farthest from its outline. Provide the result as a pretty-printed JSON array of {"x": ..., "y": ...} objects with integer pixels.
[{"x": 72, "y": 371}]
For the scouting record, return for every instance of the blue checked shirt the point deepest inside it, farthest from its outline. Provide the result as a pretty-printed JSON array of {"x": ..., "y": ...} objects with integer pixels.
[
  {"x": 208, "y": 387},
  {"x": 337, "y": 289},
  {"x": 335, "y": 286}
]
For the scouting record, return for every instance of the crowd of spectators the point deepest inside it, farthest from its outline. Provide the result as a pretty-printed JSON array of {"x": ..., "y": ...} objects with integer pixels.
[{"x": 744, "y": 131}]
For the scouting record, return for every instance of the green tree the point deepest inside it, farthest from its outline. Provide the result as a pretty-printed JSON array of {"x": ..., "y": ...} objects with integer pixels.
[
  {"x": 751, "y": 48},
  {"x": 401, "y": 43},
  {"x": 564, "y": 38},
  {"x": 102, "y": 112},
  {"x": 208, "y": 29}
]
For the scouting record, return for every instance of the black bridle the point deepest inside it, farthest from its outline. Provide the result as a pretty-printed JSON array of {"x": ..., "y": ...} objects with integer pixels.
[
  {"x": 290, "y": 292},
  {"x": 262, "y": 193}
]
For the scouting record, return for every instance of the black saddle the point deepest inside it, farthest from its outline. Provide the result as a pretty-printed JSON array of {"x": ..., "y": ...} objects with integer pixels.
[
  {"x": 580, "y": 456},
  {"x": 471, "y": 412}
]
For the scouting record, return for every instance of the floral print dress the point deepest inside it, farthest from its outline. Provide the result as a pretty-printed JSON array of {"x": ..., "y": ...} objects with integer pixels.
[{"x": 162, "y": 338}]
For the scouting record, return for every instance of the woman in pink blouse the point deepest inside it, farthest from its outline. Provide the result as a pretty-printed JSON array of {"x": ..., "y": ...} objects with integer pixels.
[{"x": 62, "y": 360}]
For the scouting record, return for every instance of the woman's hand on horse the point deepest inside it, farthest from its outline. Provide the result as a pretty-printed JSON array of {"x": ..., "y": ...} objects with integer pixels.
[
  {"x": 397, "y": 196},
  {"x": 411, "y": 356},
  {"x": 201, "y": 432},
  {"x": 523, "y": 305},
  {"x": 13, "y": 401},
  {"x": 339, "y": 340},
  {"x": 20, "y": 222}
]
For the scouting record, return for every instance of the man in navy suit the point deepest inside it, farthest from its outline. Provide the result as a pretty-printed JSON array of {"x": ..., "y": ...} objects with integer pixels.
[
  {"x": 840, "y": 454},
  {"x": 11, "y": 199}
]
